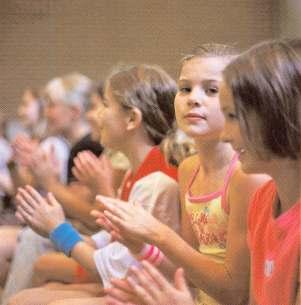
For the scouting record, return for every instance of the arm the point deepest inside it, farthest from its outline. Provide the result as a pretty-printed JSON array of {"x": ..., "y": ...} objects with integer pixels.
[
  {"x": 200, "y": 269},
  {"x": 75, "y": 206},
  {"x": 185, "y": 171},
  {"x": 206, "y": 273},
  {"x": 59, "y": 268},
  {"x": 45, "y": 216},
  {"x": 150, "y": 287}
]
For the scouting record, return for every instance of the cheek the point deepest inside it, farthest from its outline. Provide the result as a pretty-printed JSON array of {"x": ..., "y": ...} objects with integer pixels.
[
  {"x": 178, "y": 109},
  {"x": 217, "y": 118}
]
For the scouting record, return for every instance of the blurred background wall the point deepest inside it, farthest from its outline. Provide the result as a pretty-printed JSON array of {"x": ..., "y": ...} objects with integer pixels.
[{"x": 40, "y": 39}]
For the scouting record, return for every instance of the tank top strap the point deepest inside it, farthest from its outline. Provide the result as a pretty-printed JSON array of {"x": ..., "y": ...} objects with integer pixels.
[
  {"x": 193, "y": 176},
  {"x": 231, "y": 169}
]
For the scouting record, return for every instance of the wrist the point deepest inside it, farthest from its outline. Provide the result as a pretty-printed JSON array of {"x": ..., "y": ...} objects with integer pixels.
[
  {"x": 151, "y": 253},
  {"x": 65, "y": 237},
  {"x": 48, "y": 182},
  {"x": 158, "y": 237},
  {"x": 106, "y": 190},
  {"x": 54, "y": 224}
]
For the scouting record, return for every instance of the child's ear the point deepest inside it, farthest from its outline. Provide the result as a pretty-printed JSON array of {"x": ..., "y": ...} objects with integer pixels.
[{"x": 134, "y": 118}]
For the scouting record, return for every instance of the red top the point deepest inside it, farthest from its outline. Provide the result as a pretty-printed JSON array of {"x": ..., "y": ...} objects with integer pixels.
[
  {"x": 275, "y": 248},
  {"x": 154, "y": 162}
]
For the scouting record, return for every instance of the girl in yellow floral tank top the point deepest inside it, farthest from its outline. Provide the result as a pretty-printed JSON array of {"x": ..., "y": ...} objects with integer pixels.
[{"x": 209, "y": 216}]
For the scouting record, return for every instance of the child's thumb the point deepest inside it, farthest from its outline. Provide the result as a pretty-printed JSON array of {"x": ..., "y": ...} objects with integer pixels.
[{"x": 180, "y": 282}]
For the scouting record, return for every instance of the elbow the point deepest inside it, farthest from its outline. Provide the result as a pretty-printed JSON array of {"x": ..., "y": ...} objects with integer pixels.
[{"x": 236, "y": 297}]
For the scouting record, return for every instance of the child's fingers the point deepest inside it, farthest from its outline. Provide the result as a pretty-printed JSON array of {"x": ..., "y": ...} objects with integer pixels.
[
  {"x": 76, "y": 173},
  {"x": 114, "y": 205},
  {"x": 52, "y": 200},
  {"x": 26, "y": 197},
  {"x": 27, "y": 218},
  {"x": 86, "y": 162},
  {"x": 96, "y": 213},
  {"x": 78, "y": 164},
  {"x": 115, "y": 220},
  {"x": 113, "y": 301},
  {"x": 120, "y": 294},
  {"x": 23, "y": 205},
  {"x": 19, "y": 216},
  {"x": 122, "y": 284},
  {"x": 141, "y": 292},
  {"x": 155, "y": 275},
  {"x": 34, "y": 194},
  {"x": 180, "y": 281}
]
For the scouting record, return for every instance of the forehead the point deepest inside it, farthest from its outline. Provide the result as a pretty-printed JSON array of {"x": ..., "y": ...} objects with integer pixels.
[
  {"x": 225, "y": 97},
  {"x": 108, "y": 94},
  {"x": 203, "y": 68}
]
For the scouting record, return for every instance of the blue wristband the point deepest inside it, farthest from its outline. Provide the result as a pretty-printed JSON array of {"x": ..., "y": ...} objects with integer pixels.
[{"x": 65, "y": 237}]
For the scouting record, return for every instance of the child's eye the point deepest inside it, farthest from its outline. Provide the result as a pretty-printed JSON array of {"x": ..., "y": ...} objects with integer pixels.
[
  {"x": 211, "y": 91},
  {"x": 184, "y": 89},
  {"x": 231, "y": 116}
]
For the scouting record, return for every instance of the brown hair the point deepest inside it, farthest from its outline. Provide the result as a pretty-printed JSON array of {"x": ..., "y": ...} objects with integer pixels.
[
  {"x": 152, "y": 91},
  {"x": 266, "y": 81},
  {"x": 211, "y": 50}
]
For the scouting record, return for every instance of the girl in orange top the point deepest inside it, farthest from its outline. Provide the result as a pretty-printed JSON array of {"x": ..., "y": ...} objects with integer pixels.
[{"x": 261, "y": 101}]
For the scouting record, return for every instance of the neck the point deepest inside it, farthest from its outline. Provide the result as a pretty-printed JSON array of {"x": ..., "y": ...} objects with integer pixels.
[
  {"x": 287, "y": 176},
  {"x": 137, "y": 153},
  {"x": 214, "y": 155},
  {"x": 76, "y": 132}
]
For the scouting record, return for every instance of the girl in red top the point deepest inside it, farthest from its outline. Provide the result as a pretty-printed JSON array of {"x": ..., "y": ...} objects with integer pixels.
[{"x": 261, "y": 101}]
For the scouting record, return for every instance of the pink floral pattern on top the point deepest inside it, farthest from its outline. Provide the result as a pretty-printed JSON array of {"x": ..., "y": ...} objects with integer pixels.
[{"x": 209, "y": 216}]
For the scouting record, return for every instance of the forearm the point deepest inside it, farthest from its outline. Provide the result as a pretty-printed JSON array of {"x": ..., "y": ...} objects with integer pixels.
[
  {"x": 20, "y": 176},
  {"x": 213, "y": 277},
  {"x": 83, "y": 254},
  {"x": 104, "y": 189}
]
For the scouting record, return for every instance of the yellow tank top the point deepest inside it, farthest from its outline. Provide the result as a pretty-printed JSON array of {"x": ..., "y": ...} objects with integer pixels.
[{"x": 209, "y": 219}]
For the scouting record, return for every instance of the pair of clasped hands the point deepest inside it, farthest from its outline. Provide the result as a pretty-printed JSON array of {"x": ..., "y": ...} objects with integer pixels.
[{"x": 130, "y": 226}]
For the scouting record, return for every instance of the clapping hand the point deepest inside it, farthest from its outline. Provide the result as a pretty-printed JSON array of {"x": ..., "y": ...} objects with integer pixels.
[
  {"x": 24, "y": 148},
  {"x": 132, "y": 221},
  {"x": 95, "y": 172},
  {"x": 42, "y": 214},
  {"x": 148, "y": 286},
  {"x": 152, "y": 288},
  {"x": 45, "y": 166}
]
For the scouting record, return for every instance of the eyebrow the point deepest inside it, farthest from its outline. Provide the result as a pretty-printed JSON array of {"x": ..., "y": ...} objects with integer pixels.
[{"x": 205, "y": 80}]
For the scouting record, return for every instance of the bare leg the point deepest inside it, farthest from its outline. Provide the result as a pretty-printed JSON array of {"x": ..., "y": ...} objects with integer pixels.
[
  {"x": 84, "y": 301},
  {"x": 30, "y": 246},
  {"x": 8, "y": 238},
  {"x": 60, "y": 268},
  {"x": 44, "y": 296}
]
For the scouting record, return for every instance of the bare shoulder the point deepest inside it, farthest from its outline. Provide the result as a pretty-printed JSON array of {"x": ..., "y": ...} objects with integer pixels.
[
  {"x": 187, "y": 167},
  {"x": 242, "y": 180},
  {"x": 242, "y": 186}
]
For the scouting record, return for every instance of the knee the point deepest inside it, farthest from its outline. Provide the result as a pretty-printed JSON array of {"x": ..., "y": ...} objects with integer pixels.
[
  {"x": 40, "y": 265},
  {"x": 59, "y": 302},
  {"x": 19, "y": 298}
]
